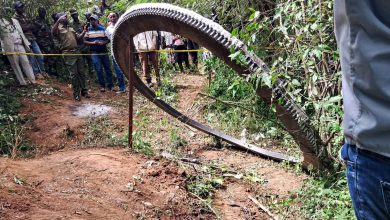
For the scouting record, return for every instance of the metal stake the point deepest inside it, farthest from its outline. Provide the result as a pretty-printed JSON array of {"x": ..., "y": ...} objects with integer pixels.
[{"x": 131, "y": 93}]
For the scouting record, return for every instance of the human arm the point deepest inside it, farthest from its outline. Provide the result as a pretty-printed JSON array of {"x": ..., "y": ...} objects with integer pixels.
[
  {"x": 82, "y": 34},
  {"x": 55, "y": 30}
]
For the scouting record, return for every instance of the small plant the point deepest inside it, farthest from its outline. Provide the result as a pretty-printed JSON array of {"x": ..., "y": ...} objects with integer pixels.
[
  {"x": 201, "y": 187},
  {"x": 176, "y": 140},
  {"x": 140, "y": 146},
  {"x": 324, "y": 197},
  {"x": 167, "y": 91},
  {"x": 101, "y": 132}
]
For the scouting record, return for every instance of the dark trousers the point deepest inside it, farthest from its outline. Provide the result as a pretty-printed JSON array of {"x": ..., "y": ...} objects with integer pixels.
[
  {"x": 75, "y": 66},
  {"x": 100, "y": 62}
]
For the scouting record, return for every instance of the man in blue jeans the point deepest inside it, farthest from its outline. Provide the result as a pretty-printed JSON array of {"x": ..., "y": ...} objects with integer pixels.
[
  {"x": 27, "y": 25},
  {"x": 113, "y": 18},
  {"x": 363, "y": 36},
  {"x": 96, "y": 38}
]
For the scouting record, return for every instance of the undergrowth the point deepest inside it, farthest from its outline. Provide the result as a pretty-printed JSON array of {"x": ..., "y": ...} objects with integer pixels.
[
  {"x": 12, "y": 142},
  {"x": 322, "y": 197}
]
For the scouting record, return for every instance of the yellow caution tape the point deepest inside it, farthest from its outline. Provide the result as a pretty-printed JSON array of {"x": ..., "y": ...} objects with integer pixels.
[{"x": 98, "y": 54}]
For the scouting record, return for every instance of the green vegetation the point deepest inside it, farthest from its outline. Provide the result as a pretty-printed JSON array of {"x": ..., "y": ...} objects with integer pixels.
[
  {"x": 12, "y": 143},
  {"x": 100, "y": 132},
  {"x": 296, "y": 39},
  {"x": 324, "y": 197}
]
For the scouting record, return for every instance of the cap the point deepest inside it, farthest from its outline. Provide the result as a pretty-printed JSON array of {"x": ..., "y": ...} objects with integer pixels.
[
  {"x": 59, "y": 14},
  {"x": 18, "y": 4},
  {"x": 73, "y": 11},
  {"x": 95, "y": 17}
]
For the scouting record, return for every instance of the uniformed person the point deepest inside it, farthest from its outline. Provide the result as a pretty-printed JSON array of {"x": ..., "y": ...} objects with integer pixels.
[
  {"x": 68, "y": 38},
  {"x": 78, "y": 26},
  {"x": 42, "y": 32}
]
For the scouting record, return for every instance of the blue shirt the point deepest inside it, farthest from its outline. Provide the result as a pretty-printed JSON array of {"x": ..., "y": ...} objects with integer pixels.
[{"x": 97, "y": 34}]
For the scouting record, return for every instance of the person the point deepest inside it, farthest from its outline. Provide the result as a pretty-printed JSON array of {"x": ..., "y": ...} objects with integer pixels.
[
  {"x": 146, "y": 44},
  {"x": 104, "y": 6},
  {"x": 12, "y": 39},
  {"x": 362, "y": 31},
  {"x": 180, "y": 56},
  {"x": 42, "y": 32},
  {"x": 78, "y": 26},
  {"x": 191, "y": 45},
  {"x": 27, "y": 26},
  {"x": 93, "y": 8},
  {"x": 168, "y": 36},
  {"x": 113, "y": 18},
  {"x": 97, "y": 40},
  {"x": 67, "y": 37},
  {"x": 213, "y": 15}
]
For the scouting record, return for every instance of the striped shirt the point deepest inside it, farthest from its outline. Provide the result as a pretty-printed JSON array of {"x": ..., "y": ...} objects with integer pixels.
[{"x": 97, "y": 34}]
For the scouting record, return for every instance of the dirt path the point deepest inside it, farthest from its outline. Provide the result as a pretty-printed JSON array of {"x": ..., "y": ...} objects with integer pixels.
[
  {"x": 70, "y": 180},
  {"x": 91, "y": 184}
]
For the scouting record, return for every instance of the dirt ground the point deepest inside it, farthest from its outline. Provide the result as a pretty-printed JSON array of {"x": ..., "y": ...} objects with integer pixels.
[{"x": 69, "y": 180}]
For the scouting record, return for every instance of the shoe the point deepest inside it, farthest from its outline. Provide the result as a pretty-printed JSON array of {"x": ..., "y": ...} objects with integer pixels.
[
  {"x": 44, "y": 74},
  {"x": 121, "y": 91},
  {"x": 77, "y": 98},
  {"x": 102, "y": 89},
  {"x": 86, "y": 95},
  {"x": 39, "y": 76}
]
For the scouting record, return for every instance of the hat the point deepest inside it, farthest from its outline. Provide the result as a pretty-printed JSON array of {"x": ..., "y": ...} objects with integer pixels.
[
  {"x": 93, "y": 16},
  {"x": 18, "y": 4},
  {"x": 73, "y": 11},
  {"x": 58, "y": 15}
]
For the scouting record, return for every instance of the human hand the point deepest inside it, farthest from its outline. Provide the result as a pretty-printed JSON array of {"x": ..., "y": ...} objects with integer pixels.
[{"x": 63, "y": 18}]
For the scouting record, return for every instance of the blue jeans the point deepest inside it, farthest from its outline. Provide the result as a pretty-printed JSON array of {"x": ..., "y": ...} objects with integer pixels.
[
  {"x": 119, "y": 76},
  {"x": 37, "y": 62},
  {"x": 100, "y": 61},
  {"x": 368, "y": 176}
]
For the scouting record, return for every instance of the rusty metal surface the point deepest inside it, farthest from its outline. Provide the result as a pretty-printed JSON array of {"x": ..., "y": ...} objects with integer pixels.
[{"x": 165, "y": 17}]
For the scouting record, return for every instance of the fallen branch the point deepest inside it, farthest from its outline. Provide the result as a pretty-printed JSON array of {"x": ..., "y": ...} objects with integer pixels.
[
  {"x": 208, "y": 206},
  {"x": 262, "y": 207}
]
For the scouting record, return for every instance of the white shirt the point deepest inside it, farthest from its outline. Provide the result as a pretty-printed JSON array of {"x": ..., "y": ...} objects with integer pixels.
[
  {"x": 146, "y": 40},
  {"x": 109, "y": 31}
]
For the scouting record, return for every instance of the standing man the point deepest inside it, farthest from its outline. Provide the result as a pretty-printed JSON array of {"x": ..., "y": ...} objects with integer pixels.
[
  {"x": 363, "y": 35},
  {"x": 42, "y": 31},
  {"x": 28, "y": 28},
  {"x": 146, "y": 44},
  {"x": 191, "y": 45},
  {"x": 67, "y": 37},
  {"x": 113, "y": 18},
  {"x": 12, "y": 40},
  {"x": 180, "y": 57},
  {"x": 97, "y": 40},
  {"x": 78, "y": 26}
]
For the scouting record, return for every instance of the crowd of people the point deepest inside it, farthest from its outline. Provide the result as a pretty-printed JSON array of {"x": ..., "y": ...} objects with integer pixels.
[{"x": 84, "y": 48}]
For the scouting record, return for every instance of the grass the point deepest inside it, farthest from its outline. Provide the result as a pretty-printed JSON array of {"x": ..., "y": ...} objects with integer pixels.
[
  {"x": 12, "y": 141},
  {"x": 321, "y": 197},
  {"x": 100, "y": 132}
]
